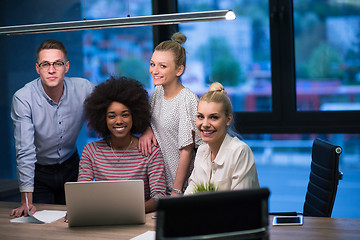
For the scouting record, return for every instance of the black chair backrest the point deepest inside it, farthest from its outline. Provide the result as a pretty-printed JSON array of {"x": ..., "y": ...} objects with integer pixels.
[
  {"x": 239, "y": 214},
  {"x": 324, "y": 179}
]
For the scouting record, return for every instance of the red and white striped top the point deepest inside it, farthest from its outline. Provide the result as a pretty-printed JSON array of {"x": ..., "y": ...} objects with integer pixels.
[{"x": 98, "y": 162}]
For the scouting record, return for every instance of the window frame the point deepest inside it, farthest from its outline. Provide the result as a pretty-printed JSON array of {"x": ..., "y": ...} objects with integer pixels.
[{"x": 285, "y": 118}]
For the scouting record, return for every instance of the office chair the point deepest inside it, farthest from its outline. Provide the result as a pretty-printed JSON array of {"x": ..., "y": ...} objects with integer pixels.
[{"x": 324, "y": 179}]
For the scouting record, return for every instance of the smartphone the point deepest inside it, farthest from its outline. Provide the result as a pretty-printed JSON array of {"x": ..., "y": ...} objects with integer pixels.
[{"x": 288, "y": 220}]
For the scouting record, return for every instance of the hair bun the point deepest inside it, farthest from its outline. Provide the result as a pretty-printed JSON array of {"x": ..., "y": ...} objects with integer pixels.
[
  {"x": 217, "y": 87},
  {"x": 179, "y": 38}
]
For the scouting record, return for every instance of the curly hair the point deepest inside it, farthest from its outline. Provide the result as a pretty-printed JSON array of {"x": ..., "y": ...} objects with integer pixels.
[{"x": 127, "y": 91}]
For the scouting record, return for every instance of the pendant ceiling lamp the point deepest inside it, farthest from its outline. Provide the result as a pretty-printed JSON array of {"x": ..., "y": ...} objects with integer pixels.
[{"x": 160, "y": 19}]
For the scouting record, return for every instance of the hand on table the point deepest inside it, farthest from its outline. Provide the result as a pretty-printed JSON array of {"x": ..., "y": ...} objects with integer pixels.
[{"x": 22, "y": 210}]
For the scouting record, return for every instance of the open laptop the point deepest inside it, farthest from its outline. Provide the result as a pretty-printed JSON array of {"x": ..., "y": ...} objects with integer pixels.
[
  {"x": 105, "y": 202},
  {"x": 238, "y": 214}
]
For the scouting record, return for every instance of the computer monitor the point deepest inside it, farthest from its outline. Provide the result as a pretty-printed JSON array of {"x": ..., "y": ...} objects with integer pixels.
[{"x": 239, "y": 214}]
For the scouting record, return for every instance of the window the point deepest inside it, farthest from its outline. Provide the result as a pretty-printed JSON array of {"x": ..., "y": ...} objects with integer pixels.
[
  {"x": 235, "y": 53},
  {"x": 119, "y": 51},
  {"x": 327, "y": 50}
]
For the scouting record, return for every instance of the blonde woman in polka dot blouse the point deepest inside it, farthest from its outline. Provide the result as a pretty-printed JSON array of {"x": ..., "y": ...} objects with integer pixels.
[{"x": 173, "y": 114}]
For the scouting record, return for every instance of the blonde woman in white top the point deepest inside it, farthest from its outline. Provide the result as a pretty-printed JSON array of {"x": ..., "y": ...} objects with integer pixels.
[{"x": 223, "y": 161}]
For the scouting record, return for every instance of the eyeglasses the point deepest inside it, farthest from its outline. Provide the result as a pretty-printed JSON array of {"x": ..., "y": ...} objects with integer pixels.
[{"x": 46, "y": 65}]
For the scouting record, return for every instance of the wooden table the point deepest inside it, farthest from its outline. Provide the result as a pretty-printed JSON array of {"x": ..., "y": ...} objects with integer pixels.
[
  {"x": 313, "y": 228},
  {"x": 316, "y": 228},
  {"x": 59, "y": 230}
]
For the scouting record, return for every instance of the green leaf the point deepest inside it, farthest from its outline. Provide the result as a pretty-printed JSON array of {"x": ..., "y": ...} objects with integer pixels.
[{"x": 205, "y": 187}]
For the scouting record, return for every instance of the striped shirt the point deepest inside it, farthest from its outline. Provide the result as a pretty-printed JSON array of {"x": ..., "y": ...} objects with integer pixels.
[{"x": 100, "y": 163}]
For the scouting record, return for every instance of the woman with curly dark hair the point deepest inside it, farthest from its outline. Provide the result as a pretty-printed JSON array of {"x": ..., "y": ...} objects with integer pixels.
[{"x": 117, "y": 109}]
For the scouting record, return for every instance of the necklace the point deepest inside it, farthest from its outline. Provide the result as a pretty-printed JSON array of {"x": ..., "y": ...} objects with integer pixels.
[{"x": 122, "y": 150}]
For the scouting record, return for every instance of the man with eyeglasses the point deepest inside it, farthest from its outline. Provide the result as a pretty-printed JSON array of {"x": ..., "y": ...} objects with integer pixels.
[{"x": 48, "y": 116}]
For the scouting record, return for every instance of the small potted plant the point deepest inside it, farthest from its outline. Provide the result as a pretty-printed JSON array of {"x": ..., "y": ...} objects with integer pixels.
[{"x": 205, "y": 187}]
